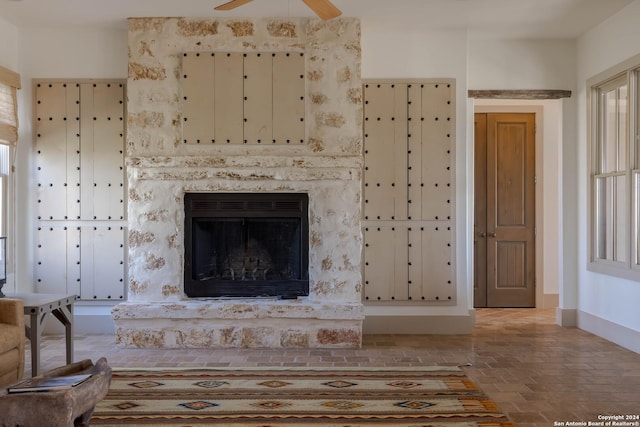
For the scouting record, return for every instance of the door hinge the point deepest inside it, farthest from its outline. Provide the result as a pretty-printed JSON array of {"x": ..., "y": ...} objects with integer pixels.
[{"x": 535, "y": 179}]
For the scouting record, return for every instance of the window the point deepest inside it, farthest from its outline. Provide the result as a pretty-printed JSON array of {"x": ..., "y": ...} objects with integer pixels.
[
  {"x": 614, "y": 177},
  {"x": 4, "y": 178},
  {"x": 9, "y": 84}
]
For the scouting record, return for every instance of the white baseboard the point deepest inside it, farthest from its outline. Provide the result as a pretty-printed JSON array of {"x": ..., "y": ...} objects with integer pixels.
[
  {"x": 94, "y": 324},
  {"x": 86, "y": 320},
  {"x": 98, "y": 320},
  {"x": 621, "y": 335},
  {"x": 416, "y": 324}
]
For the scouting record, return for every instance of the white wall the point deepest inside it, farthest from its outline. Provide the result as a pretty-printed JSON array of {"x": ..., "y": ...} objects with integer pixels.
[
  {"x": 521, "y": 64},
  {"x": 607, "y": 306},
  {"x": 542, "y": 64},
  {"x": 76, "y": 52},
  {"x": 79, "y": 52},
  {"x": 94, "y": 53},
  {"x": 396, "y": 50},
  {"x": 9, "y": 45},
  {"x": 391, "y": 50}
]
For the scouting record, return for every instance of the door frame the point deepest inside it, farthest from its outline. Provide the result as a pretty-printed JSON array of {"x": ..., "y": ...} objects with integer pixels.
[{"x": 548, "y": 239}]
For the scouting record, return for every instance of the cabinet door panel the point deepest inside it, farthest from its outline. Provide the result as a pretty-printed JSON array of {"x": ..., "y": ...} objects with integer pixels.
[
  {"x": 198, "y": 94},
  {"x": 288, "y": 98},
  {"x": 436, "y": 160},
  {"x": 57, "y": 151},
  {"x": 431, "y": 272},
  {"x": 80, "y": 176},
  {"x": 102, "y": 263},
  {"x": 102, "y": 146},
  {"x": 58, "y": 260},
  {"x": 409, "y": 131},
  {"x": 228, "y": 100},
  {"x": 385, "y": 174},
  {"x": 385, "y": 264},
  {"x": 258, "y": 98}
]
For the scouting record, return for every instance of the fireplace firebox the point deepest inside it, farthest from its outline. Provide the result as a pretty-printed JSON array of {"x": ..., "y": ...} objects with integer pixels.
[{"x": 246, "y": 245}]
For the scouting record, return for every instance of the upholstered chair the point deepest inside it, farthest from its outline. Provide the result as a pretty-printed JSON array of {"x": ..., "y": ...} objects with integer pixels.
[{"x": 12, "y": 340}]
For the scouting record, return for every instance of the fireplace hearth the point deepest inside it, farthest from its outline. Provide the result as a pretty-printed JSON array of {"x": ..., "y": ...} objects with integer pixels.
[{"x": 246, "y": 245}]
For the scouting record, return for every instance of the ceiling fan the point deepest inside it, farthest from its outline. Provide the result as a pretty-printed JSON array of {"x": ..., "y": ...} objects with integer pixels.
[{"x": 323, "y": 8}]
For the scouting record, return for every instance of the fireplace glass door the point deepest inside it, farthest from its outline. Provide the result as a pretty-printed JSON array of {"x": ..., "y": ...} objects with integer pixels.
[{"x": 246, "y": 245}]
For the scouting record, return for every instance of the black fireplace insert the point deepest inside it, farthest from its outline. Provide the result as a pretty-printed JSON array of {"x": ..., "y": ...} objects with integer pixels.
[{"x": 246, "y": 245}]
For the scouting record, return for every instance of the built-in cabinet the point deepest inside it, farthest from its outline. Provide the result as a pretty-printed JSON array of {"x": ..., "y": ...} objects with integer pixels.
[
  {"x": 408, "y": 227},
  {"x": 408, "y": 185},
  {"x": 80, "y": 206}
]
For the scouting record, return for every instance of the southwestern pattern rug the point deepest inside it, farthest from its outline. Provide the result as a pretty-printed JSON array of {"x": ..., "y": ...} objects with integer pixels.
[{"x": 276, "y": 397}]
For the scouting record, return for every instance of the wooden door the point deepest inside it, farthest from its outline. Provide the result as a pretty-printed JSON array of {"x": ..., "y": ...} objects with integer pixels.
[{"x": 504, "y": 236}]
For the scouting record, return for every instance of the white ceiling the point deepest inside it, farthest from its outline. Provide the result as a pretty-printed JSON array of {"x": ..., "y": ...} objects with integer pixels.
[{"x": 507, "y": 18}]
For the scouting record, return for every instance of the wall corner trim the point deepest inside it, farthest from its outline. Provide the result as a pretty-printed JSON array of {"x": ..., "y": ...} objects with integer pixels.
[{"x": 567, "y": 317}]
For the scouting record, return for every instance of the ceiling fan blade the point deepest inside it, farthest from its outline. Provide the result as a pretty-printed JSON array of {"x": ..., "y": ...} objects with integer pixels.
[
  {"x": 323, "y": 8},
  {"x": 232, "y": 4}
]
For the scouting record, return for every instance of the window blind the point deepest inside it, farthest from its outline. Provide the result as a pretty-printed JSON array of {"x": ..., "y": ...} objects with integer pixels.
[{"x": 9, "y": 83}]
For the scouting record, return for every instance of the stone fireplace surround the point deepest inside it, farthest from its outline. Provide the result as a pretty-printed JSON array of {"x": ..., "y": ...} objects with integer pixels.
[{"x": 161, "y": 169}]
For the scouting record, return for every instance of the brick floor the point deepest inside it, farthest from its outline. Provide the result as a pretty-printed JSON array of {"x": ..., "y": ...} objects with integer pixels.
[{"x": 537, "y": 372}]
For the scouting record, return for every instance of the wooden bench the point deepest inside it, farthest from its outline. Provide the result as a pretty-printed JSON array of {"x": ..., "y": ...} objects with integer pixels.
[{"x": 59, "y": 408}]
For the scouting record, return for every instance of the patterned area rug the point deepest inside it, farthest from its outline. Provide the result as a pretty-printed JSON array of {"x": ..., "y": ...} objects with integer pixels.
[{"x": 354, "y": 397}]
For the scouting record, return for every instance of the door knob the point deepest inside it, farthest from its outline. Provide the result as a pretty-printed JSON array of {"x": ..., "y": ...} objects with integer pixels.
[
  {"x": 492, "y": 234},
  {"x": 482, "y": 234}
]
